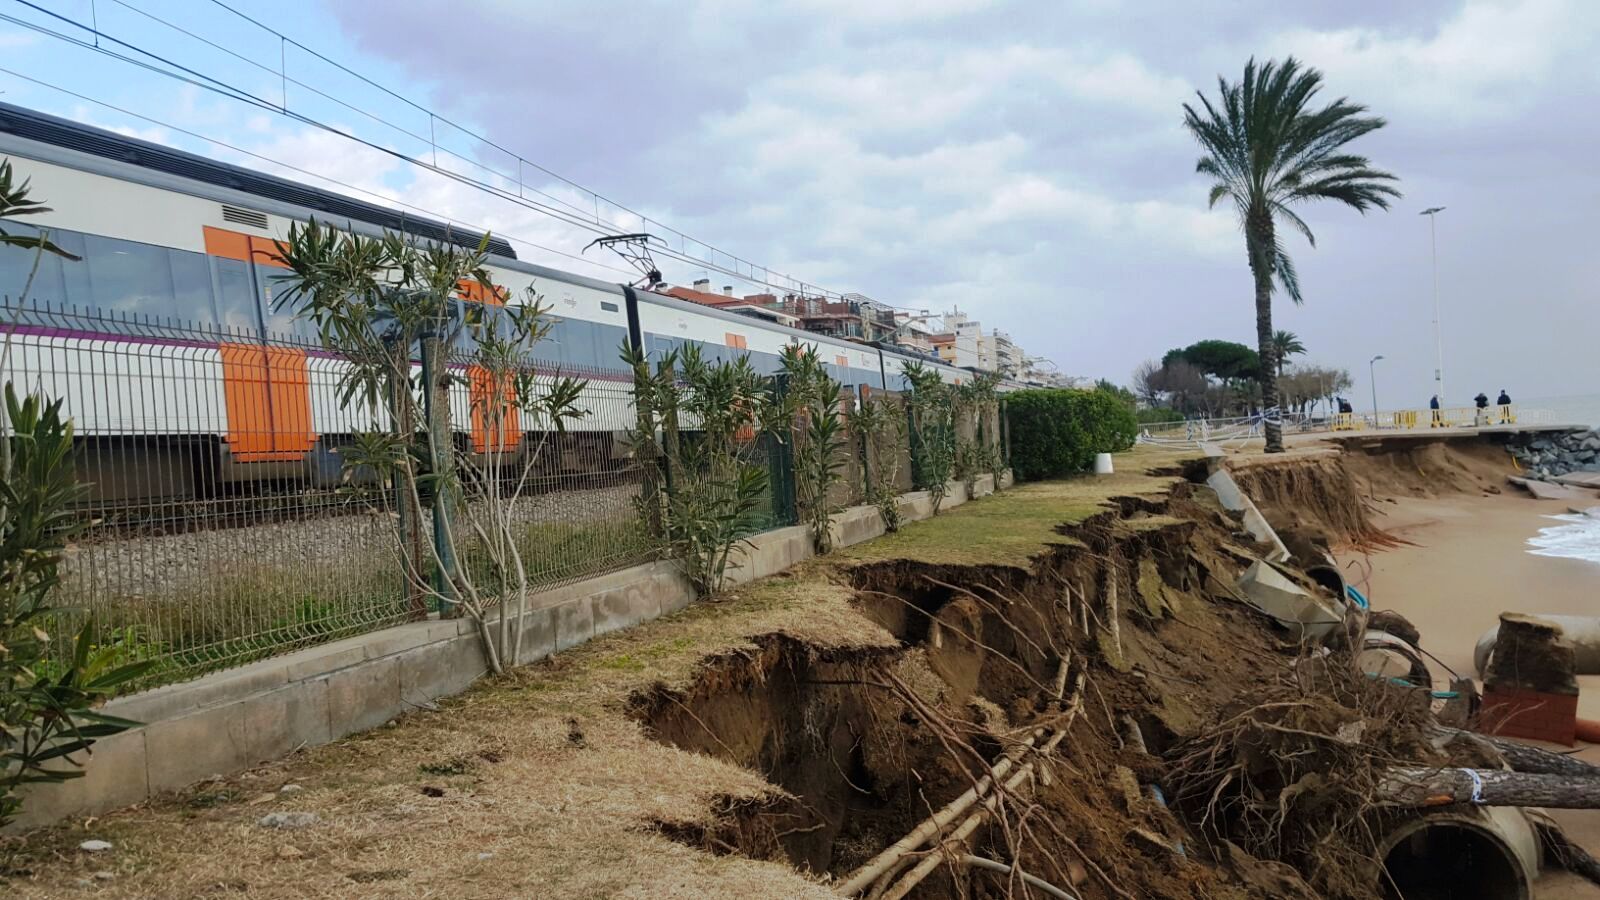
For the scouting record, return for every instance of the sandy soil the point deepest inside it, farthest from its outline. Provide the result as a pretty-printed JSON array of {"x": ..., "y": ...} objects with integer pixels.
[{"x": 1467, "y": 562}]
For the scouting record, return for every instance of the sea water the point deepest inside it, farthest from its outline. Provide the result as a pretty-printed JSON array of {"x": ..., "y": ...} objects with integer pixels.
[
  {"x": 1576, "y": 409},
  {"x": 1578, "y": 537}
]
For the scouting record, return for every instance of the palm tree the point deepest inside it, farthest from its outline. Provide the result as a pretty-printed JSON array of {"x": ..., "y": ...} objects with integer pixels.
[
  {"x": 1284, "y": 345},
  {"x": 1268, "y": 151}
]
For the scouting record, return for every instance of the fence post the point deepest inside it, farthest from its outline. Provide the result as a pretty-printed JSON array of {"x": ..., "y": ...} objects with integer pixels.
[
  {"x": 408, "y": 517},
  {"x": 653, "y": 469},
  {"x": 864, "y": 448},
  {"x": 780, "y": 464},
  {"x": 914, "y": 441},
  {"x": 436, "y": 409},
  {"x": 1005, "y": 431}
]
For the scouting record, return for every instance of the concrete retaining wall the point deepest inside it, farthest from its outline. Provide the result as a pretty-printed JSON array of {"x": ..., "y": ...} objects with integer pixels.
[{"x": 229, "y": 721}]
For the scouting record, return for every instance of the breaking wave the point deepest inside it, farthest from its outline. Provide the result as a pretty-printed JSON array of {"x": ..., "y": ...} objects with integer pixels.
[{"x": 1577, "y": 538}]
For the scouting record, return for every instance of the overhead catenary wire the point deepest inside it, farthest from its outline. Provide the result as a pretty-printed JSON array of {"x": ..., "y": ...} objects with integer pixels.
[
  {"x": 434, "y": 114},
  {"x": 741, "y": 269},
  {"x": 285, "y": 79}
]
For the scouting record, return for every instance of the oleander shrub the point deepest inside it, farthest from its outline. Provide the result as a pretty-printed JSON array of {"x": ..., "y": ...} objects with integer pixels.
[{"x": 1057, "y": 431}]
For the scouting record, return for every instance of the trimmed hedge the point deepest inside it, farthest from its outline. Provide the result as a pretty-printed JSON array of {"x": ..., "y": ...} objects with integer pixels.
[
  {"x": 1058, "y": 431},
  {"x": 1158, "y": 415}
]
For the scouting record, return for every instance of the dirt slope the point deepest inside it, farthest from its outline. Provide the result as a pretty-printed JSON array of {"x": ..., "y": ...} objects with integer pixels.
[{"x": 762, "y": 743}]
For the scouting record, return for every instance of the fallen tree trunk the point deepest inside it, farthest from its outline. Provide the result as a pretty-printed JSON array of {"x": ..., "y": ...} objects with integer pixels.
[
  {"x": 1487, "y": 787},
  {"x": 891, "y": 856},
  {"x": 1525, "y": 758},
  {"x": 962, "y": 832}
]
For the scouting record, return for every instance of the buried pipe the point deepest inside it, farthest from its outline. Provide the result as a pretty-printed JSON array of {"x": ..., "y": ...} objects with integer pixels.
[
  {"x": 1582, "y": 631},
  {"x": 1382, "y": 655},
  {"x": 1487, "y": 853}
]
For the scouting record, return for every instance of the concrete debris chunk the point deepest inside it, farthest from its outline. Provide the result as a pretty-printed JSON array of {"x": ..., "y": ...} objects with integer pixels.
[
  {"x": 1234, "y": 499},
  {"x": 95, "y": 846},
  {"x": 1545, "y": 491},
  {"x": 1308, "y": 617},
  {"x": 288, "y": 820}
]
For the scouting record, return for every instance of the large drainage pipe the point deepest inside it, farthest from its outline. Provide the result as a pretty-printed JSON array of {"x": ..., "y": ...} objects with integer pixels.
[
  {"x": 1483, "y": 853},
  {"x": 1582, "y": 631},
  {"x": 1382, "y": 655}
]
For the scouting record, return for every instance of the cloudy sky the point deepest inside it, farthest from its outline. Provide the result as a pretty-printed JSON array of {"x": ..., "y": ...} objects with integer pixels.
[{"x": 1023, "y": 160}]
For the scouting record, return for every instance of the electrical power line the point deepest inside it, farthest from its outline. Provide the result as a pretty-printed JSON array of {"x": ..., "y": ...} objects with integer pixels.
[
  {"x": 286, "y": 79},
  {"x": 572, "y": 215}
]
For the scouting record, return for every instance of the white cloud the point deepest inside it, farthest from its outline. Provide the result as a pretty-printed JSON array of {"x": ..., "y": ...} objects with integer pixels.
[{"x": 1487, "y": 58}]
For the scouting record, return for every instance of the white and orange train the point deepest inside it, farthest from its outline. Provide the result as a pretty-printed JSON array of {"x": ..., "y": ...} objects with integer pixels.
[{"x": 168, "y": 351}]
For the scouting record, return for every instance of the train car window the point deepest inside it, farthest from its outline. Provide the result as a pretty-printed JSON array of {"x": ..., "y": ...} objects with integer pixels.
[
  {"x": 280, "y": 318},
  {"x": 579, "y": 344},
  {"x": 235, "y": 295},
  {"x": 765, "y": 363},
  {"x": 554, "y": 346},
  {"x": 132, "y": 279},
  {"x": 58, "y": 281},
  {"x": 659, "y": 345},
  {"x": 610, "y": 339},
  {"x": 16, "y": 263},
  {"x": 191, "y": 287}
]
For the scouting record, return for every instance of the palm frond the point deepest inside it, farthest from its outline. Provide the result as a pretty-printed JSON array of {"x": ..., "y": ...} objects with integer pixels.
[
  {"x": 1283, "y": 271},
  {"x": 1288, "y": 215}
]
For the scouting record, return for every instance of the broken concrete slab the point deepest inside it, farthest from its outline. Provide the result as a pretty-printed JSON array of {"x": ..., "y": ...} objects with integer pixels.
[
  {"x": 1579, "y": 480},
  {"x": 1542, "y": 490},
  {"x": 1233, "y": 498},
  {"x": 1211, "y": 451},
  {"x": 1309, "y": 617}
]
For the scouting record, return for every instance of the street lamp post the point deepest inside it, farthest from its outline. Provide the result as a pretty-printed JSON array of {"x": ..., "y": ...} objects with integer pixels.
[
  {"x": 1372, "y": 376},
  {"x": 1432, "y": 213}
]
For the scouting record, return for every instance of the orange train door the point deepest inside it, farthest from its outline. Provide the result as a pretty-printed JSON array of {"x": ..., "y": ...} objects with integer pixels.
[
  {"x": 267, "y": 390},
  {"x": 496, "y": 422}
]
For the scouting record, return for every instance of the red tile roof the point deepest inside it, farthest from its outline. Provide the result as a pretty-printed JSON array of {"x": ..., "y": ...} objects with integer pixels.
[{"x": 704, "y": 298}]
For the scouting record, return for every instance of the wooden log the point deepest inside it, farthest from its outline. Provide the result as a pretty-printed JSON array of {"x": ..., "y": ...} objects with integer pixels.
[
  {"x": 962, "y": 832},
  {"x": 1113, "y": 622},
  {"x": 1486, "y": 787},
  {"x": 1527, "y": 758},
  {"x": 890, "y": 856}
]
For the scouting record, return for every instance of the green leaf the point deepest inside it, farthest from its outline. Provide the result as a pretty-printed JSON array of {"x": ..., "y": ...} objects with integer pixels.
[{"x": 121, "y": 675}]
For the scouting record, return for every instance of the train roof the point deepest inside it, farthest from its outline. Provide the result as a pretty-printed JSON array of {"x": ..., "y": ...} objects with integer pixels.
[{"x": 47, "y": 129}]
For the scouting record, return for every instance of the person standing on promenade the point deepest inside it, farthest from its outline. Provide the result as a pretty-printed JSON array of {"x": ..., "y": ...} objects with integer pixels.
[
  {"x": 1506, "y": 418},
  {"x": 1433, "y": 404},
  {"x": 1482, "y": 416}
]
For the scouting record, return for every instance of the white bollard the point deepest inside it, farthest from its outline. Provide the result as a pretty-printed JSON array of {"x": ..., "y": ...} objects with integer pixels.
[{"x": 1102, "y": 464}]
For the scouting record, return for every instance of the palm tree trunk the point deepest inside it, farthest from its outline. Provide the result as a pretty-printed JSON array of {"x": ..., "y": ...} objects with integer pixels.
[{"x": 1260, "y": 237}]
